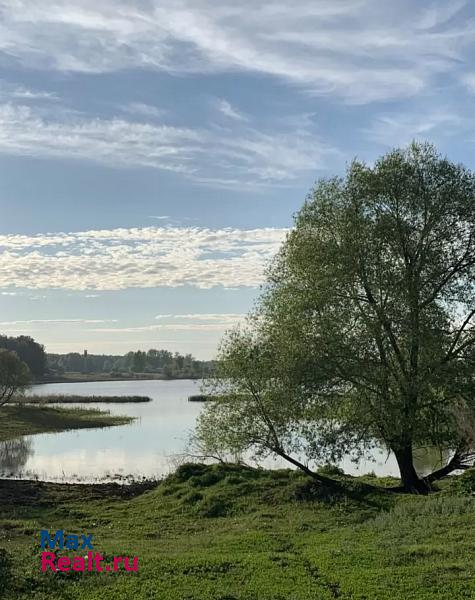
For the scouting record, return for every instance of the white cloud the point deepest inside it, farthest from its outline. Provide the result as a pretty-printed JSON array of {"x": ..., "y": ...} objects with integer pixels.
[
  {"x": 229, "y": 110},
  {"x": 143, "y": 110},
  {"x": 222, "y": 317},
  {"x": 217, "y": 322},
  {"x": 247, "y": 157},
  {"x": 211, "y": 327},
  {"x": 12, "y": 91},
  {"x": 56, "y": 321},
  {"x": 359, "y": 50},
  {"x": 469, "y": 81},
  {"x": 138, "y": 257},
  {"x": 399, "y": 129}
]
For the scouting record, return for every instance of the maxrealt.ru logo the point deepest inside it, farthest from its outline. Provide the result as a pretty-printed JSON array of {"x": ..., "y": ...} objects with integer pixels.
[{"x": 90, "y": 562}]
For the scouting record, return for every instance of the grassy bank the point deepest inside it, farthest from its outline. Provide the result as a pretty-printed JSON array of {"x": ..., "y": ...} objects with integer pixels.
[
  {"x": 17, "y": 419},
  {"x": 230, "y": 533},
  {"x": 74, "y": 399}
]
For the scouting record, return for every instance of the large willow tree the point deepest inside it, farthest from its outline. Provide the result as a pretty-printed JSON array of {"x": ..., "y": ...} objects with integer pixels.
[{"x": 371, "y": 299}]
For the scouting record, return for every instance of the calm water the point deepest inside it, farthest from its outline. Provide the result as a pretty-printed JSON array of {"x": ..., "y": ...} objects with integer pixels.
[{"x": 150, "y": 446}]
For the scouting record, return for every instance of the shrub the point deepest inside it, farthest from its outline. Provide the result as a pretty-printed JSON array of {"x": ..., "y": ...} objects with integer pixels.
[{"x": 330, "y": 469}]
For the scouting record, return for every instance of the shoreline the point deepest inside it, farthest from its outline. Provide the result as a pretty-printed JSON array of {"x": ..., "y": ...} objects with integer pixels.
[
  {"x": 98, "y": 379},
  {"x": 35, "y": 399}
]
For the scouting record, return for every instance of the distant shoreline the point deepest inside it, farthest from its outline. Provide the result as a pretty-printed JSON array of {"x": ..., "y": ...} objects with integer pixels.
[
  {"x": 98, "y": 378},
  {"x": 75, "y": 399}
]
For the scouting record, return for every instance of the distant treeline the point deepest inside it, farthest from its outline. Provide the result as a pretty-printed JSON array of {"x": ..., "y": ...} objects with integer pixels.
[{"x": 161, "y": 362}]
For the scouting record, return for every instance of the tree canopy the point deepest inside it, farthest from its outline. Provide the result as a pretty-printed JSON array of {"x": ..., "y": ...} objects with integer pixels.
[
  {"x": 372, "y": 297},
  {"x": 29, "y": 351}
]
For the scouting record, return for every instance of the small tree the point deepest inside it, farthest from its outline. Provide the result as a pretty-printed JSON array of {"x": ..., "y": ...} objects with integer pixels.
[{"x": 14, "y": 375}]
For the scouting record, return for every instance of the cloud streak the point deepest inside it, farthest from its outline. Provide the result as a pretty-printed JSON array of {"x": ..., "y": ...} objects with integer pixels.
[
  {"x": 56, "y": 321},
  {"x": 228, "y": 110},
  {"x": 358, "y": 50},
  {"x": 221, "y": 317},
  {"x": 400, "y": 128},
  {"x": 244, "y": 157}
]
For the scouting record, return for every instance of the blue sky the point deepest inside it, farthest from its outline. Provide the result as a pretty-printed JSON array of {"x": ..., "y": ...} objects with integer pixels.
[{"x": 152, "y": 153}]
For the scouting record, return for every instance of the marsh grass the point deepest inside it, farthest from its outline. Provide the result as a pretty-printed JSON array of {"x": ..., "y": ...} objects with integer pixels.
[
  {"x": 76, "y": 399},
  {"x": 25, "y": 419}
]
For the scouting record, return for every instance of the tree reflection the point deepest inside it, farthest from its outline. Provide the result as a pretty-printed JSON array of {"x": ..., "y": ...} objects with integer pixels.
[{"x": 14, "y": 454}]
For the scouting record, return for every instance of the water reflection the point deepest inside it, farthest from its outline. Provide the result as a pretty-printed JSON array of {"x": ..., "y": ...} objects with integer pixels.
[
  {"x": 146, "y": 448},
  {"x": 14, "y": 455}
]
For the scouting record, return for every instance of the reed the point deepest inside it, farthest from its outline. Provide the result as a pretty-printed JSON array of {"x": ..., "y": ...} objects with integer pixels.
[{"x": 76, "y": 399}]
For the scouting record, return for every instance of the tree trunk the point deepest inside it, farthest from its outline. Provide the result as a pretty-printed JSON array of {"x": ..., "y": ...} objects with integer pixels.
[
  {"x": 461, "y": 460},
  {"x": 302, "y": 467},
  {"x": 411, "y": 482}
]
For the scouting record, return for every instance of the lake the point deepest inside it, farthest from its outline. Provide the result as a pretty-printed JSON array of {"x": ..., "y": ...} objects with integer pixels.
[{"x": 148, "y": 447}]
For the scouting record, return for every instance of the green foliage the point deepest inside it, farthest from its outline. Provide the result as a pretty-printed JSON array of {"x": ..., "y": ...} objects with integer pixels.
[
  {"x": 364, "y": 332},
  {"x": 161, "y": 362},
  {"x": 256, "y": 410},
  {"x": 465, "y": 483},
  {"x": 139, "y": 361},
  {"x": 330, "y": 469},
  {"x": 14, "y": 375},
  {"x": 29, "y": 351}
]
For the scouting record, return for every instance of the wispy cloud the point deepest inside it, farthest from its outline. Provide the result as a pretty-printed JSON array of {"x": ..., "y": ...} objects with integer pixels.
[
  {"x": 210, "y": 327},
  {"x": 229, "y": 110},
  {"x": 143, "y": 110},
  {"x": 358, "y": 50},
  {"x": 12, "y": 91},
  {"x": 468, "y": 79},
  {"x": 241, "y": 158},
  {"x": 222, "y": 317},
  {"x": 400, "y": 128},
  {"x": 56, "y": 321},
  {"x": 138, "y": 257}
]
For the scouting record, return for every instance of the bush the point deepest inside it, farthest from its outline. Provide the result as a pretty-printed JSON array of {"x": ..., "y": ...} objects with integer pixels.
[
  {"x": 207, "y": 479},
  {"x": 215, "y": 506},
  {"x": 188, "y": 470},
  {"x": 465, "y": 484},
  {"x": 330, "y": 469}
]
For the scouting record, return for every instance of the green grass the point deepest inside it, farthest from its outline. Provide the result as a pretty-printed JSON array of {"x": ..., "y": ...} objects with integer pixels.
[
  {"x": 17, "y": 420},
  {"x": 231, "y": 533}
]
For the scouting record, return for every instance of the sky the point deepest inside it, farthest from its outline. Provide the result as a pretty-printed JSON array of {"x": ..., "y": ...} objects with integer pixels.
[{"x": 153, "y": 154}]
